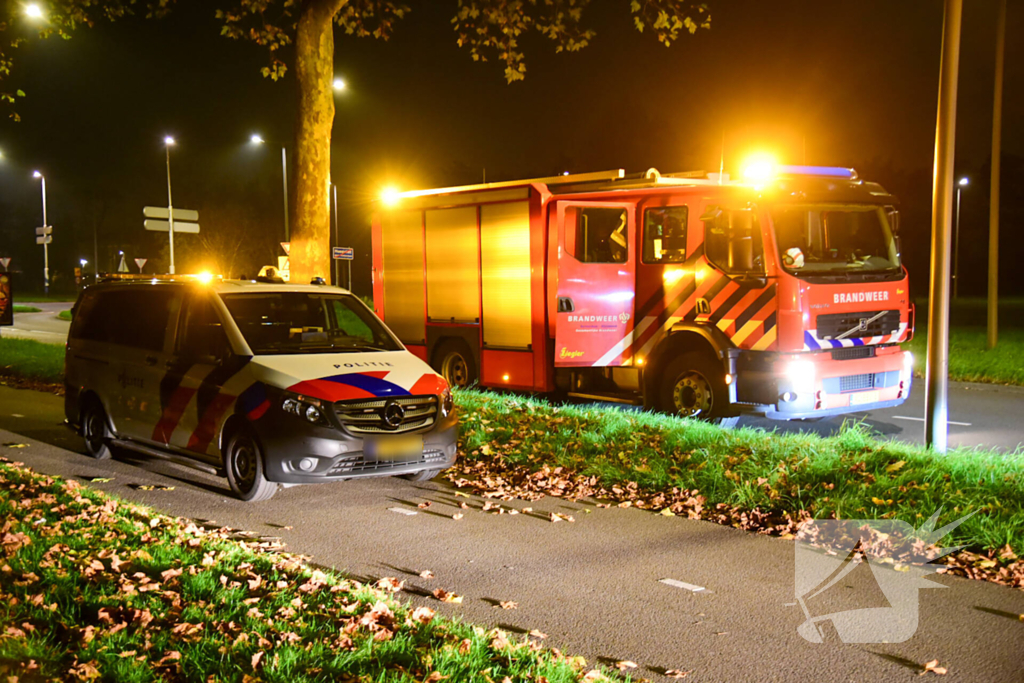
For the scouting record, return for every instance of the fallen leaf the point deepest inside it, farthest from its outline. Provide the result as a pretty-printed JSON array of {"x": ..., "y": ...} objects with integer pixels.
[
  {"x": 256, "y": 659},
  {"x": 537, "y": 634},
  {"x": 665, "y": 512},
  {"x": 422, "y": 615},
  {"x": 101, "y": 480},
  {"x": 16, "y": 445},
  {"x": 426, "y": 574},
  {"x": 508, "y": 604},
  {"x": 896, "y": 466},
  {"x": 461, "y": 494},
  {"x": 434, "y": 677},
  {"x": 424, "y": 505},
  {"x": 390, "y": 584},
  {"x": 457, "y": 515},
  {"x": 934, "y": 667},
  {"x": 676, "y": 673},
  {"x": 444, "y": 596},
  {"x": 625, "y": 664}
]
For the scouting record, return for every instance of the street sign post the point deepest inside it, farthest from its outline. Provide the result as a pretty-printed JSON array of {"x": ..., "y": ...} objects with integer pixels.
[
  {"x": 345, "y": 254},
  {"x": 170, "y": 220},
  {"x": 140, "y": 262},
  {"x": 287, "y": 246},
  {"x": 47, "y": 239}
]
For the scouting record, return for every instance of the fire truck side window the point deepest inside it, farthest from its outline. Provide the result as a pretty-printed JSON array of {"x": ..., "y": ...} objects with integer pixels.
[
  {"x": 665, "y": 234},
  {"x": 601, "y": 235},
  {"x": 732, "y": 240}
]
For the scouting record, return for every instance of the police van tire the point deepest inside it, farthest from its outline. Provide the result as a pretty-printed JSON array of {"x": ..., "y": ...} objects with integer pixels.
[
  {"x": 455, "y": 363},
  {"x": 422, "y": 475},
  {"x": 243, "y": 463},
  {"x": 96, "y": 430},
  {"x": 694, "y": 386}
]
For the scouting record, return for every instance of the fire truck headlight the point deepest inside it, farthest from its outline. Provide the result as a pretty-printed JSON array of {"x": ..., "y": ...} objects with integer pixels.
[
  {"x": 908, "y": 363},
  {"x": 801, "y": 374}
]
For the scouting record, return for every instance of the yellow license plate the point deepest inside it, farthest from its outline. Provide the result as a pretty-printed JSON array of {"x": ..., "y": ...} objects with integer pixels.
[
  {"x": 395, "y": 447},
  {"x": 862, "y": 397}
]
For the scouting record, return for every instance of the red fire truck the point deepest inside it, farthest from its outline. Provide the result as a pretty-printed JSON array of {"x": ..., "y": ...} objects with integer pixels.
[{"x": 700, "y": 296}]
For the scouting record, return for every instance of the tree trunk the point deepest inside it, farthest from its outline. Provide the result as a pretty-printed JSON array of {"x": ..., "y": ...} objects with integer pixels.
[{"x": 314, "y": 68}]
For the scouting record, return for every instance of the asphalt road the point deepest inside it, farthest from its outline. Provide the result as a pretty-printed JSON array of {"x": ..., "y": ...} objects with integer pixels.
[
  {"x": 44, "y": 326},
  {"x": 593, "y": 585}
]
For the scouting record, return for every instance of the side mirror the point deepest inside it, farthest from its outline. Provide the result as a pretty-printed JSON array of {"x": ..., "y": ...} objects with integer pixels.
[
  {"x": 752, "y": 281},
  {"x": 711, "y": 213}
]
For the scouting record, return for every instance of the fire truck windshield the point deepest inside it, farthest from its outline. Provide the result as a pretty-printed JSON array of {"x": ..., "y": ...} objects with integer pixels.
[{"x": 829, "y": 239}]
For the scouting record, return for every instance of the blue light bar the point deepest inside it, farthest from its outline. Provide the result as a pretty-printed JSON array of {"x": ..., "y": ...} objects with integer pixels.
[{"x": 823, "y": 171}]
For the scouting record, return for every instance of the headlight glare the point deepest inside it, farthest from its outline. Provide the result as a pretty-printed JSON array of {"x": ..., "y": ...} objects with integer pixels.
[{"x": 801, "y": 374}]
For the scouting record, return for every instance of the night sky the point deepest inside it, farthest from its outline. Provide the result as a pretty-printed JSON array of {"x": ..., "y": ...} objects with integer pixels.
[{"x": 850, "y": 84}]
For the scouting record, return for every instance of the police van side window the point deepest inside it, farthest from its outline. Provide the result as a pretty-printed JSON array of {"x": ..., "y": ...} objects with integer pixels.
[
  {"x": 131, "y": 317},
  {"x": 665, "y": 234},
  {"x": 732, "y": 240},
  {"x": 601, "y": 235},
  {"x": 201, "y": 332}
]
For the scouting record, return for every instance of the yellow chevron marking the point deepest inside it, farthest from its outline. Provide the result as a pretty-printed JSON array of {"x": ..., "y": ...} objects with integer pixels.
[
  {"x": 724, "y": 323},
  {"x": 767, "y": 340},
  {"x": 745, "y": 331}
]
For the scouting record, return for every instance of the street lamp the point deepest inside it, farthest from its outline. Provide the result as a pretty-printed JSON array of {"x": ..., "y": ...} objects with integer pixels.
[
  {"x": 46, "y": 238},
  {"x": 339, "y": 84},
  {"x": 168, "y": 143},
  {"x": 33, "y": 11},
  {"x": 961, "y": 184},
  {"x": 257, "y": 139}
]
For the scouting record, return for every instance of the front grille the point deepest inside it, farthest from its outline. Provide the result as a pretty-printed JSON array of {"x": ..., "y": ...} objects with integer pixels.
[
  {"x": 366, "y": 416},
  {"x": 357, "y": 463},
  {"x": 833, "y": 325},
  {"x": 853, "y": 352},
  {"x": 856, "y": 383}
]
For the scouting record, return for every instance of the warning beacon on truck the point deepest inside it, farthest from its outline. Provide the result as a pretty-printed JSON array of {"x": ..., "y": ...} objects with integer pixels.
[{"x": 696, "y": 295}]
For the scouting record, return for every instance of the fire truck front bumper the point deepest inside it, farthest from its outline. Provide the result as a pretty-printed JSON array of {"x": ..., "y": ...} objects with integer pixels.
[{"x": 817, "y": 385}]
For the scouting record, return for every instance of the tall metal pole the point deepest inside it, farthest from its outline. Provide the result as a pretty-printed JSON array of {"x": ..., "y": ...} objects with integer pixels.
[
  {"x": 46, "y": 239},
  {"x": 956, "y": 247},
  {"x": 95, "y": 250},
  {"x": 936, "y": 412},
  {"x": 993, "y": 202},
  {"x": 284, "y": 178},
  {"x": 337, "y": 266},
  {"x": 170, "y": 206}
]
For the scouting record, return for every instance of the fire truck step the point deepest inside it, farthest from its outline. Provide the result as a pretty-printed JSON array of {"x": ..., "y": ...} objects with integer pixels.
[{"x": 609, "y": 397}]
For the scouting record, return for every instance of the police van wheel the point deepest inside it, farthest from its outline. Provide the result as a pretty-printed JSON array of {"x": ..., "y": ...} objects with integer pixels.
[
  {"x": 95, "y": 431},
  {"x": 456, "y": 364},
  {"x": 694, "y": 386},
  {"x": 422, "y": 475},
  {"x": 243, "y": 462}
]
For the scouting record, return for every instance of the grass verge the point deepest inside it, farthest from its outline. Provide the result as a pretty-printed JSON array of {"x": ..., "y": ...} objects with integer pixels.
[
  {"x": 92, "y": 587},
  {"x": 65, "y": 315},
  {"x": 971, "y": 361},
  {"x": 769, "y": 483},
  {"x": 19, "y": 308},
  {"x": 31, "y": 360}
]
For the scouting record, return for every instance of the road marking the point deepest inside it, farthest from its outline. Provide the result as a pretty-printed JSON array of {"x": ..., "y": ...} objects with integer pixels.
[
  {"x": 682, "y": 584},
  {"x": 16, "y": 415},
  {"x": 921, "y": 419},
  {"x": 402, "y": 511}
]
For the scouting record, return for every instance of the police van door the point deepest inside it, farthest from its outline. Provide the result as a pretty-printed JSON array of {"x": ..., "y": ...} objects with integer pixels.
[{"x": 596, "y": 282}]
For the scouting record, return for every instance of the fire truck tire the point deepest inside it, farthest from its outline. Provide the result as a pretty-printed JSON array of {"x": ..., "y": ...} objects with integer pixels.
[
  {"x": 694, "y": 386},
  {"x": 455, "y": 363},
  {"x": 243, "y": 463},
  {"x": 96, "y": 430}
]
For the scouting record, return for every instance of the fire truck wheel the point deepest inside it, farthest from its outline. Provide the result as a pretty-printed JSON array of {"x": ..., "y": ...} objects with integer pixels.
[
  {"x": 243, "y": 463},
  {"x": 694, "y": 386},
  {"x": 95, "y": 430},
  {"x": 456, "y": 364}
]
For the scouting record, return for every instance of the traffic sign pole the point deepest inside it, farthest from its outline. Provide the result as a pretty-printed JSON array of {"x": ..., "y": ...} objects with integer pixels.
[
  {"x": 170, "y": 207},
  {"x": 46, "y": 248}
]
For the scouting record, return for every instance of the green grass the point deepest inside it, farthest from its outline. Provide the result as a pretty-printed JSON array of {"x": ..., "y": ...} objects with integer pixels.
[
  {"x": 39, "y": 297},
  {"x": 65, "y": 315},
  {"x": 971, "y": 361},
  {"x": 18, "y": 308},
  {"x": 30, "y": 359},
  {"x": 850, "y": 475},
  {"x": 121, "y": 593}
]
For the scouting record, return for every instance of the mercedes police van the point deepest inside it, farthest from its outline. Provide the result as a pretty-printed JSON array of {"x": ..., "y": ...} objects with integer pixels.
[{"x": 267, "y": 384}]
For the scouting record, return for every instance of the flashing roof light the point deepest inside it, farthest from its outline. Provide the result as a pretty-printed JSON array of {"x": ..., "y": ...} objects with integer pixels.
[
  {"x": 821, "y": 171},
  {"x": 390, "y": 196},
  {"x": 205, "y": 277},
  {"x": 759, "y": 169}
]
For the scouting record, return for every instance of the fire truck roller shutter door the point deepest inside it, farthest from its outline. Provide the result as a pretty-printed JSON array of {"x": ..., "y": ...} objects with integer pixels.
[
  {"x": 402, "y": 273},
  {"x": 453, "y": 265}
]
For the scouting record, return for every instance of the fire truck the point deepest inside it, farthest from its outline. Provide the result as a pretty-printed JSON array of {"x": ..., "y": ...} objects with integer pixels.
[{"x": 694, "y": 294}]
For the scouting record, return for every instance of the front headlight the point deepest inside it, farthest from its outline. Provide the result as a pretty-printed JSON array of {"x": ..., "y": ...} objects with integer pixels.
[
  {"x": 447, "y": 402},
  {"x": 305, "y": 407},
  {"x": 908, "y": 362},
  {"x": 801, "y": 374}
]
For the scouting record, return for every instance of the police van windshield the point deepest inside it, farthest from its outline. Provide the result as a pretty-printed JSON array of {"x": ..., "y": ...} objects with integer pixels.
[
  {"x": 307, "y": 322},
  {"x": 835, "y": 238}
]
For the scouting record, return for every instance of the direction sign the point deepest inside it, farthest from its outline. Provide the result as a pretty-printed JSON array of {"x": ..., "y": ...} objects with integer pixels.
[
  {"x": 343, "y": 253},
  {"x": 45, "y": 230},
  {"x": 163, "y": 213},
  {"x": 140, "y": 262},
  {"x": 48, "y": 239},
  {"x": 165, "y": 226},
  {"x": 5, "y": 261}
]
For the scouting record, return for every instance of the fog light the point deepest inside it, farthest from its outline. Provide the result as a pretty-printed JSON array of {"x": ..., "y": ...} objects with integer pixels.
[
  {"x": 728, "y": 379},
  {"x": 789, "y": 396},
  {"x": 307, "y": 464}
]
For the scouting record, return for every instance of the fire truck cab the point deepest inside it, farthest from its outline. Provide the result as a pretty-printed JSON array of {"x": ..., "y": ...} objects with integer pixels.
[{"x": 699, "y": 296}]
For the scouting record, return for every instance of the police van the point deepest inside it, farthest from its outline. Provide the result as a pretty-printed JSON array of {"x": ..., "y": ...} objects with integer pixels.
[{"x": 268, "y": 384}]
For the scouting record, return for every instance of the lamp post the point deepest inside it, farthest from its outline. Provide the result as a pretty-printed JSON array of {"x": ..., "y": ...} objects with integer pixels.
[
  {"x": 961, "y": 184},
  {"x": 168, "y": 143},
  {"x": 257, "y": 139},
  {"x": 46, "y": 236}
]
